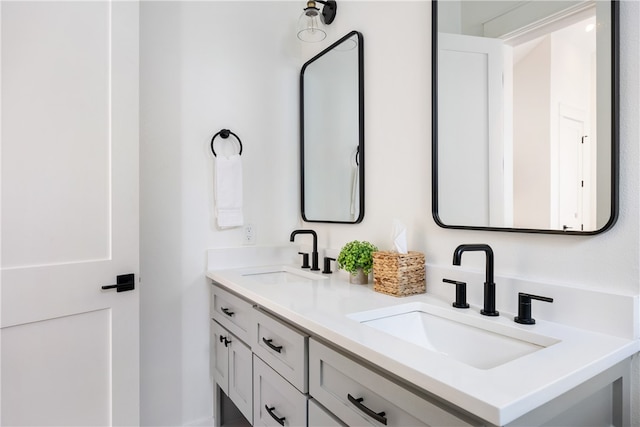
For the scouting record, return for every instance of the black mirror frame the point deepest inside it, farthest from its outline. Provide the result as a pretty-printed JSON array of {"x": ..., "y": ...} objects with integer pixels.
[
  {"x": 615, "y": 125},
  {"x": 360, "y": 154}
]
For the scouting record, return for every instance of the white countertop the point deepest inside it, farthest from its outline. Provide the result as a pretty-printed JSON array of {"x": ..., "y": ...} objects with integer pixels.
[{"x": 498, "y": 395}]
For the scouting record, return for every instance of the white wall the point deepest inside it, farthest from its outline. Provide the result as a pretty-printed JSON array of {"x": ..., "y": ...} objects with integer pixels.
[
  {"x": 532, "y": 132},
  {"x": 203, "y": 68}
]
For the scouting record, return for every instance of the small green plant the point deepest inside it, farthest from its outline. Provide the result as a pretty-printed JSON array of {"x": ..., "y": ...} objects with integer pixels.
[{"x": 355, "y": 255}]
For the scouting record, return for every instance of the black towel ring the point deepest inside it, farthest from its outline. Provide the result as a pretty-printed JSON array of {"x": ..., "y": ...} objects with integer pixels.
[{"x": 224, "y": 134}]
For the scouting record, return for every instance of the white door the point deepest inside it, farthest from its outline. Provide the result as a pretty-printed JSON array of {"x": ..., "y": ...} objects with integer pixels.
[
  {"x": 471, "y": 148},
  {"x": 69, "y": 127},
  {"x": 572, "y": 177}
]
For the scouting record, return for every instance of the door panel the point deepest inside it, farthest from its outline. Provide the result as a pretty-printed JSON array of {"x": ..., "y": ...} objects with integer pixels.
[
  {"x": 71, "y": 355},
  {"x": 69, "y": 179},
  {"x": 55, "y": 99}
]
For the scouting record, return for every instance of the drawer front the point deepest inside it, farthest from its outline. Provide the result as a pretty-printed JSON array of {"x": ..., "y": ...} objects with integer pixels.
[
  {"x": 359, "y": 396},
  {"x": 232, "y": 312},
  {"x": 276, "y": 402},
  {"x": 319, "y": 417},
  {"x": 283, "y": 348}
]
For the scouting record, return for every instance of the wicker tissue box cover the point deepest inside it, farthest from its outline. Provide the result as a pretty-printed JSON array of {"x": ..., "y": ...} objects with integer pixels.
[{"x": 399, "y": 274}]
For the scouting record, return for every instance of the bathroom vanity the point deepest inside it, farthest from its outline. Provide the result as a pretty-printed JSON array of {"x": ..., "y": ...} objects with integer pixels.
[{"x": 311, "y": 349}]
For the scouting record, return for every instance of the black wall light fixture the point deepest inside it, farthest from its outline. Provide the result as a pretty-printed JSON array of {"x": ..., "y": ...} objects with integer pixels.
[{"x": 310, "y": 22}]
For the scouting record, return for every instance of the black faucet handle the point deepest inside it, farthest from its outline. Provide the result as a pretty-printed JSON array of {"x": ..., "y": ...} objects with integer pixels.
[
  {"x": 524, "y": 308},
  {"x": 327, "y": 265},
  {"x": 461, "y": 293},
  {"x": 305, "y": 260}
]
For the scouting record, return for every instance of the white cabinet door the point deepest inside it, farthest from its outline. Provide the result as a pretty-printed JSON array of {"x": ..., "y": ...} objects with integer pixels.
[
  {"x": 220, "y": 356},
  {"x": 241, "y": 377},
  {"x": 69, "y": 176},
  {"x": 232, "y": 368}
]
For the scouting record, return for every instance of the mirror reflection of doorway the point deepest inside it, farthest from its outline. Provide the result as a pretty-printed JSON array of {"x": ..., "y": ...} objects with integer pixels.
[
  {"x": 572, "y": 174},
  {"x": 554, "y": 100},
  {"x": 505, "y": 155}
]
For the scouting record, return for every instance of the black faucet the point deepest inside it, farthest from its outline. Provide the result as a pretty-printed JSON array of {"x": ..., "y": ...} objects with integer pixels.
[
  {"x": 489, "y": 286},
  {"x": 314, "y": 254}
]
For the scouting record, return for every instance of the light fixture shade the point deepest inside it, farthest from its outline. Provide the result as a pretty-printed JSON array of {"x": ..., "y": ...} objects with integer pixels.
[{"x": 309, "y": 25}]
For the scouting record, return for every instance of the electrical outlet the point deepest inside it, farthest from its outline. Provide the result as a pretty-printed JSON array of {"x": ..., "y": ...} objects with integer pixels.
[{"x": 249, "y": 234}]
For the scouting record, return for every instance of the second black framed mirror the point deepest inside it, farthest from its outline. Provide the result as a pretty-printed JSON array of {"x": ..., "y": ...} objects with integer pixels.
[
  {"x": 332, "y": 156},
  {"x": 525, "y": 115}
]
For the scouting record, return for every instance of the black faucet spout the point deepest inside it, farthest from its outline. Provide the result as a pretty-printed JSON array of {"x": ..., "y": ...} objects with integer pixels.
[
  {"x": 457, "y": 257},
  {"x": 489, "y": 285},
  {"x": 314, "y": 254}
]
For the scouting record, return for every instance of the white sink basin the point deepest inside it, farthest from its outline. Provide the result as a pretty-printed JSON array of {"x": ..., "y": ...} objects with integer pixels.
[
  {"x": 281, "y": 274},
  {"x": 481, "y": 343}
]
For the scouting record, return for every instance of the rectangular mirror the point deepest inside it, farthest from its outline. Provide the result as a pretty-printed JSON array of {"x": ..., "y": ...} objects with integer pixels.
[
  {"x": 332, "y": 133},
  {"x": 525, "y": 115}
]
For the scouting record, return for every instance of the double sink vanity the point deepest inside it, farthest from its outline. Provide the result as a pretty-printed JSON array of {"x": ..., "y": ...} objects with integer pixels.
[{"x": 293, "y": 347}]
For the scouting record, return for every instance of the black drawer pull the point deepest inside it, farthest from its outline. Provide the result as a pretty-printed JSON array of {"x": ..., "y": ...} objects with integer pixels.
[
  {"x": 274, "y": 416},
  {"x": 226, "y": 341},
  {"x": 227, "y": 311},
  {"x": 277, "y": 348},
  {"x": 378, "y": 416}
]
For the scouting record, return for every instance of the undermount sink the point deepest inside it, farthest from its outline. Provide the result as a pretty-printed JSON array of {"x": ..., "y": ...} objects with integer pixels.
[
  {"x": 481, "y": 343},
  {"x": 280, "y": 274}
]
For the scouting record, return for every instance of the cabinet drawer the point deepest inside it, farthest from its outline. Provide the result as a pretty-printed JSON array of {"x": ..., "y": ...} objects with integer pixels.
[
  {"x": 232, "y": 312},
  {"x": 359, "y": 396},
  {"x": 276, "y": 402},
  {"x": 283, "y": 348},
  {"x": 319, "y": 417}
]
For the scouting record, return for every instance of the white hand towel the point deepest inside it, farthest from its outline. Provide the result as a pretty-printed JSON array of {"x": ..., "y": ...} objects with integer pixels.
[{"x": 228, "y": 191}]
